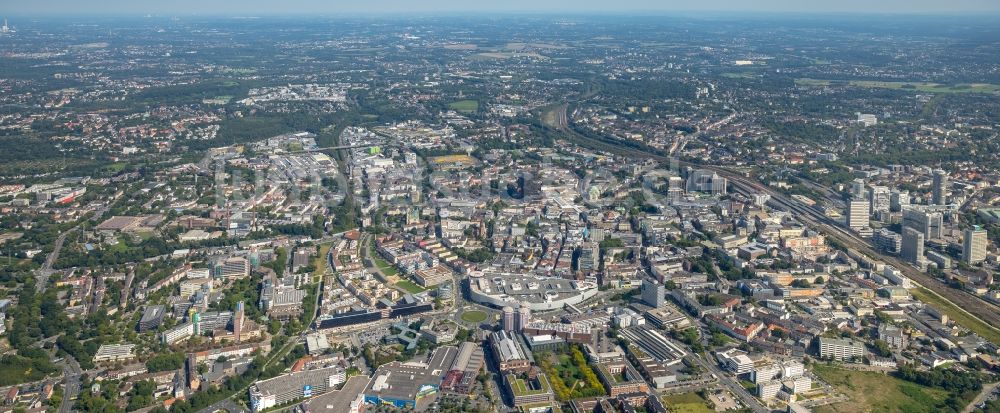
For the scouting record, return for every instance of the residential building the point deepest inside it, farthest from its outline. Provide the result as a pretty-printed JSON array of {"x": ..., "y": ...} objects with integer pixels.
[
  {"x": 653, "y": 293},
  {"x": 840, "y": 349}
]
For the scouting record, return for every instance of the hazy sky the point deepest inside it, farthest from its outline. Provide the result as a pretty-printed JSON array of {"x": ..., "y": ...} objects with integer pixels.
[{"x": 259, "y": 7}]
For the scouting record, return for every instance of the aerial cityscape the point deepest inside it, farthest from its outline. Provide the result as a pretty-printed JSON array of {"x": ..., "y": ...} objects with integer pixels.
[{"x": 535, "y": 211}]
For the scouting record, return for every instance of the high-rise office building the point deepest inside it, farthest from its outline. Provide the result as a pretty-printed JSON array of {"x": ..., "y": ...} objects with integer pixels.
[
  {"x": 879, "y": 199},
  {"x": 974, "y": 245},
  {"x": 913, "y": 245},
  {"x": 702, "y": 180},
  {"x": 857, "y": 214},
  {"x": 522, "y": 316},
  {"x": 238, "y": 319},
  {"x": 858, "y": 189},
  {"x": 653, "y": 293},
  {"x": 930, "y": 223},
  {"x": 508, "y": 319},
  {"x": 939, "y": 191}
]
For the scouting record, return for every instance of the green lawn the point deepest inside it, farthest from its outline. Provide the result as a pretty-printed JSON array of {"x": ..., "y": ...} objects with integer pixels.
[
  {"x": 465, "y": 106},
  {"x": 115, "y": 167},
  {"x": 474, "y": 316},
  {"x": 877, "y": 392},
  {"x": 409, "y": 286},
  {"x": 916, "y": 86},
  {"x": 388, "y": 271},
  {"x": 387, "y": 268},
  {"x": 957, "y": 314},
  {"x": 687, "y": 403},
  {"x": 521, "y": 387}
]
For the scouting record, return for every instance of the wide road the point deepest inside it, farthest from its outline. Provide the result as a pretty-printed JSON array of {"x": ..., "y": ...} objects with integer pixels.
[
  {"x": 71, "y": 372},
  {"x": 42, "y": 277},
  {"x": 734, "y": 387}
]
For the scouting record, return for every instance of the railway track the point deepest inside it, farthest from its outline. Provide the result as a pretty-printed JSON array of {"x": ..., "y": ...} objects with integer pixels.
[{"x": 977, "y": 308}]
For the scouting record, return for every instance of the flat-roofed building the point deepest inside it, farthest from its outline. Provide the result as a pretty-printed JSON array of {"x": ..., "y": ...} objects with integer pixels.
[
  {"x": 410, "y": 385},
  {"x": 151, "y": 318},
  {"x": 114, "y": 353},
  {"x": 667, "y": 318},
  {"x": 736, "y": 361},
  {"x": 282, "y": 302},
  {"x": 292, "y": 386},
  {"x": 432, "y": 276},
  {"x": 508, "y": 353},
  {"x": 527, "y": 390},
  {"x": 191, "y": 286},
  {"x": 233, "y": 267},
  {"x": 349, "y": 399},
  {"x": 621, "y": 378},
  {"x": 768, "y": 389},
  {"x": 974, "y": 245},
  {"x": 840, "y": 349}
]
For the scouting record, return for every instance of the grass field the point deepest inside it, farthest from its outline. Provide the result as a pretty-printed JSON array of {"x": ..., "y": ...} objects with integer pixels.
[
  {"x": 739, "y": 75},
  {"x": 957, "y": 314},
  {"x": 465, "y": 106},
  {"x": 916, "y": 86},
  {"x": 687, "y": 403},
  {"x": 475, "y": 316},
  {"x": 409, "y": 286},
  {"x": 877, "y": 392},
  {"x": 320, "y": 262}
]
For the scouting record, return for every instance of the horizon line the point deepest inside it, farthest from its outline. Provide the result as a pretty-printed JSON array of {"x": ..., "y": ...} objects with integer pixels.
[{"x": 646, "y": 13}]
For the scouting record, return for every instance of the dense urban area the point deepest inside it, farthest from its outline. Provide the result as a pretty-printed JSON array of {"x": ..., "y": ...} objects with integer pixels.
[{"x": 500, "y": 214}]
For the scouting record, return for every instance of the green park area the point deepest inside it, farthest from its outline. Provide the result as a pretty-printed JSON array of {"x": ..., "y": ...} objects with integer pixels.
[
  {"x": 465, "y": 106},
  {"x": 686, "y": 403},
  {"x": 474, "y": 316},
  {"x": 570, "y": 374}
]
